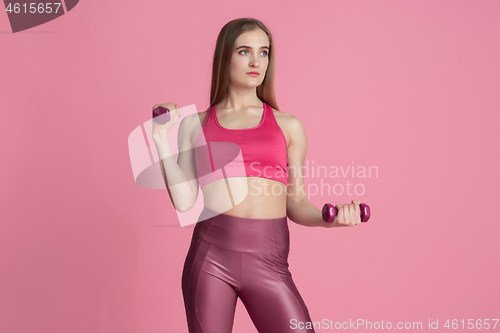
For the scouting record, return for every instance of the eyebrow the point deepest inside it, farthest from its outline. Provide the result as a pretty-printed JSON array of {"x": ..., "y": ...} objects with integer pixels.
[{"x": 243, "y": 46}]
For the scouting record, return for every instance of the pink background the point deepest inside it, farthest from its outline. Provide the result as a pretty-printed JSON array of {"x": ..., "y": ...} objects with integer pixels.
[{"x": 407, "y": 86}]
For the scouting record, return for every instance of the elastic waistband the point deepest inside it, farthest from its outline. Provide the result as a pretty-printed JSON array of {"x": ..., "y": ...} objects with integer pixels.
[{"x": 245, "y": 234}]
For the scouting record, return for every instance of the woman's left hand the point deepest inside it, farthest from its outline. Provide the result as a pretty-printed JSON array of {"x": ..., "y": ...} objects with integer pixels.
[{"x": 348, "y": 215}]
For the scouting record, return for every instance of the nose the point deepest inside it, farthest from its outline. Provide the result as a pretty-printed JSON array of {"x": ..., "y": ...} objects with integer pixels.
[{"x": 254, "y": 62}]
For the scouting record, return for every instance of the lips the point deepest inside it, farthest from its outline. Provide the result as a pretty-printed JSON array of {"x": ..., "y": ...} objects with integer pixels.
[{"x": 253, "y": 73}]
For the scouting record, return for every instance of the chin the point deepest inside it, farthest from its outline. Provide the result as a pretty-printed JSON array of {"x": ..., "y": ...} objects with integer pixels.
[{"x": 249, "y": 86}]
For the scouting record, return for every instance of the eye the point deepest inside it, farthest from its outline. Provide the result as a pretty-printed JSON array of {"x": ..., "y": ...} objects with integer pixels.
[{"x": 265, "y": 52}]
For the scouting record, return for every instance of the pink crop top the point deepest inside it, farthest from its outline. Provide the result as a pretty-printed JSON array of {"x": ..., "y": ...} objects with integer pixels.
[{"x": 258, "y": 151}]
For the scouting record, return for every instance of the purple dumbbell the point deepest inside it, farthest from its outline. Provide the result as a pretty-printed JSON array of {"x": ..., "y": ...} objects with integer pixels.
[
  {"x": 329, "y": 212},
  {"x": 161, "y": 115}
]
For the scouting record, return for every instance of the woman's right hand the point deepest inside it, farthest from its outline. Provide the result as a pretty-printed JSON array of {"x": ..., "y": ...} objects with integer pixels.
[{"x": 160, "y": 131}]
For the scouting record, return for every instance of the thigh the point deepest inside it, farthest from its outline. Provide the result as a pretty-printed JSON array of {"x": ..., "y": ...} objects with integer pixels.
[
  {"x": 209, "y": 297},
  {"x": 270, "y": 296}
]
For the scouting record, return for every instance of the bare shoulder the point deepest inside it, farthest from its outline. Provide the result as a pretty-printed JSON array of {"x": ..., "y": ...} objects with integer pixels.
[
  {"x": 290, "y": 124},
  {"x": 287, "y": 119},
  {"x": 192, "y": 124},
  {"x": 202, "y": 116},
  {"x": 196, "y": 116}
]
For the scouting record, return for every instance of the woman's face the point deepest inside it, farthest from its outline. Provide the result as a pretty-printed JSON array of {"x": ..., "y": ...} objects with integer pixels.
[{"x": 250, "y": 54}]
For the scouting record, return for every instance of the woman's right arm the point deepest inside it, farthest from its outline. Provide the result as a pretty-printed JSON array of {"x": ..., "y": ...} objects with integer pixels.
[{"x": 179, "y": 176}]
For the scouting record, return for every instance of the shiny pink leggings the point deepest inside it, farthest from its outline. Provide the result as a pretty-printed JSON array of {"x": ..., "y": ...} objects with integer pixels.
[{"x": 233, "y": 257}]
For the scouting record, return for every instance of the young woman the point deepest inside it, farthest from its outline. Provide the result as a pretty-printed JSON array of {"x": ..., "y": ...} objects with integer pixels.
[{"x": 242, "y": 251}]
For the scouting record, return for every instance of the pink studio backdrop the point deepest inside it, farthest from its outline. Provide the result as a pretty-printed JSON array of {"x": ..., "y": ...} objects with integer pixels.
[{"x": 409, "y": 87}]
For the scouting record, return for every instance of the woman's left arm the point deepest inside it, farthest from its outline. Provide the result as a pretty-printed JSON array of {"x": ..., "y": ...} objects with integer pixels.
[{"x": 298, "y": 208}]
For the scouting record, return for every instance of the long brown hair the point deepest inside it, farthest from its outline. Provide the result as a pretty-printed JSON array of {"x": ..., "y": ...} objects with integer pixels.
[{"x": 222, "y": 58}]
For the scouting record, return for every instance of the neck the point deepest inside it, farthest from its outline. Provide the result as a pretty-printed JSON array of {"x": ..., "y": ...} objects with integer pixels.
[{"x": 240, "y": 99}]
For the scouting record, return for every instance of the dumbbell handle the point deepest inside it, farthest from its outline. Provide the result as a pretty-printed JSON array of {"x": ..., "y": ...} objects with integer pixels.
[{"x": 329, "y": 212}]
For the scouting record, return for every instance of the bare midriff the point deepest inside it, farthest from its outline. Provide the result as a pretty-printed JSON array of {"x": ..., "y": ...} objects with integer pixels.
[{"x": 247, "y": 197}]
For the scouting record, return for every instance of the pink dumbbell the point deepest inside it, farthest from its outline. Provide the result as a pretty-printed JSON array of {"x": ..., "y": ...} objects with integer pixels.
[
  {"x": 329, "y": 212},
  {"x": 161, "y": 115}
]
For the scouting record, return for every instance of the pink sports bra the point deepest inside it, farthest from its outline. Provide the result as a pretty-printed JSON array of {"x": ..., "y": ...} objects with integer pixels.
[{"x": 258, "y": 151}]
